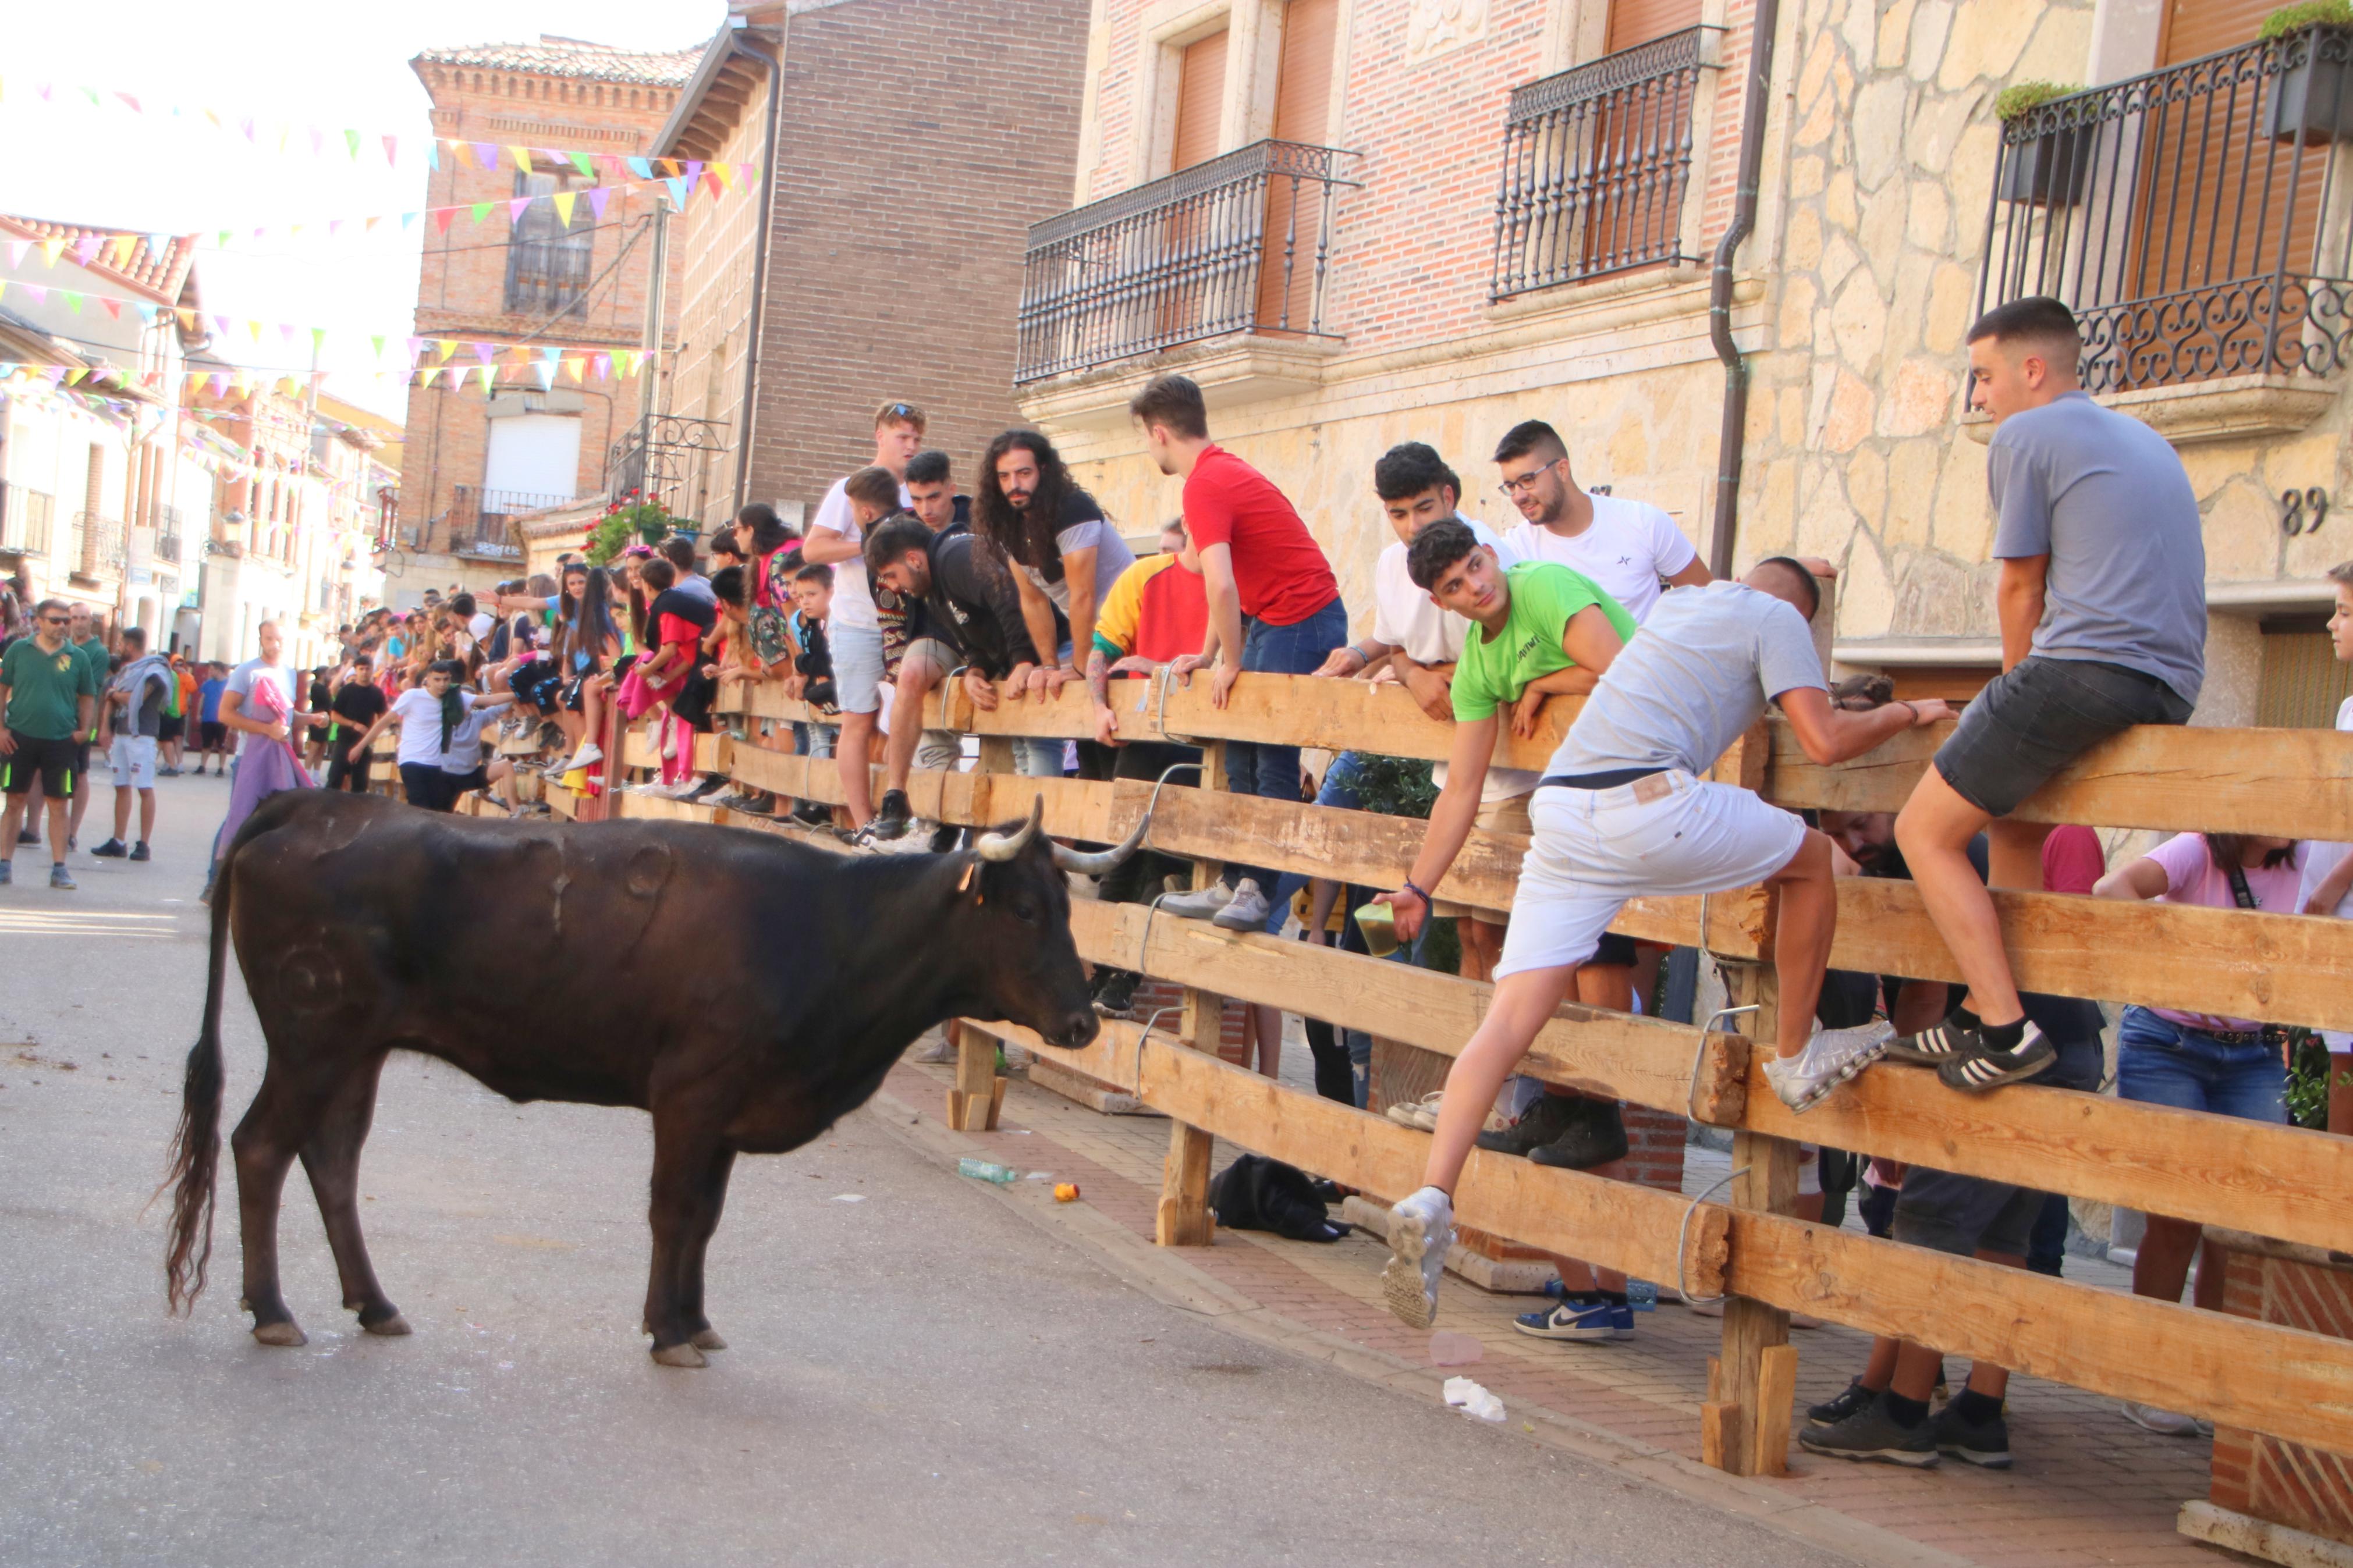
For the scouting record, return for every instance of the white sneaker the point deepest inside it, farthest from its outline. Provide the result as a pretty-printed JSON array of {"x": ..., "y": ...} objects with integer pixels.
[
  {"x": 1421, "y": 1228},
  {"x": 1421, "y": 1114},
  {"x": 1829, "y": 1058},
  {"x": 1199, "y": 904},
  {"x": 2165, "y": 1423},
  {"x": 1245, "y": 910},
  {"x": 588, "y": 754}
]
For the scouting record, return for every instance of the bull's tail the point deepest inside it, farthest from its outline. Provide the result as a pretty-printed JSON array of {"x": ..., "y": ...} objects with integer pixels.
[{"x": 195, "y": 1146}]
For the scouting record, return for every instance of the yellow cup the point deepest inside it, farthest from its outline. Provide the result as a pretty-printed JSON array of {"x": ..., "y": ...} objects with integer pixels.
[{"x": 1379, "y": 926}]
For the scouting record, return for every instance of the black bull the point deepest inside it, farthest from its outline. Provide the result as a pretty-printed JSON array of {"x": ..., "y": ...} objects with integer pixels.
[{"x": 746, "y": 990}]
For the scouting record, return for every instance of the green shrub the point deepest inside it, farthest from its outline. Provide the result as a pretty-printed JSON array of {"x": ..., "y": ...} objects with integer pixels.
[
  {"x": 2308, "y": 14},
  {"x": 2020, "y": 98}
]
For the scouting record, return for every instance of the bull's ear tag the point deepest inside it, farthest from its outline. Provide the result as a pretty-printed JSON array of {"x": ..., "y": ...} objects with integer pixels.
[{"x": 970, "y": 866}]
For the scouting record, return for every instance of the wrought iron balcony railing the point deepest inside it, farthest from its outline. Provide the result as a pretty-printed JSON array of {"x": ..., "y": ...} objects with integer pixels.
[
  {"x": 667, "y": 458},
  {"x": 2197, "y": 219},
  {"x": 1596, "y": 163},
  {"x": 1242, "y": 243}
]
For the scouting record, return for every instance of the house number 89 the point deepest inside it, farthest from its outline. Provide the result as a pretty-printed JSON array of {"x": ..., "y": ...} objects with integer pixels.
[{"x": 2303, "y": 511}]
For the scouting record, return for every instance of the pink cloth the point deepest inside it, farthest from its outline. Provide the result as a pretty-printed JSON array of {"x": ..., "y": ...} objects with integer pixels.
[
  {"x": 263, "y": 767},
  {"x": 2192, "y": 877}
]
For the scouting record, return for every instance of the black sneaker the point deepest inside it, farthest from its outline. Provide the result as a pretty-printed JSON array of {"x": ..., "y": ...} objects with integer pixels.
[
  {"x": 1987, "y": 1444},
  {"x": 1989, "y": 1070},
  {"x": 945, "y": 837},
  {"x": 891, "y": 817},
  {"x": 1597, "y": 1138},
  {"x": 139, "y": 850},
  {"x": 112, "y": 850},
  {"x": 1546, "y": 1122},
  {"x": 1871, "y": 1433},
  {"x": 1947, "y": 1042},
  {"x": 811, "y": 814},
  {"x": 1116, "y": 999},
  {"x": 1831, "y": 1412}
]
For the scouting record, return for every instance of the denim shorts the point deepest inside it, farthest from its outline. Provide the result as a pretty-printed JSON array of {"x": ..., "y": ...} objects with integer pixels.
[
  {"x": 2161, "y": 1062},
  {"x": 2032, "y": 720},
  {"x": 858, "y": 667}
]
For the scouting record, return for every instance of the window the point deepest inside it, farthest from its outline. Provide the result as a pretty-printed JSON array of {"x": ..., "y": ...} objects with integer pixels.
[
  {"x": 27, "y": 522},
  {"x": 547, "y": 259}
]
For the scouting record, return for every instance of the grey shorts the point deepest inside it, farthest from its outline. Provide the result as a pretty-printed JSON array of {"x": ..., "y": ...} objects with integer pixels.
[
  {"x": 1961, "y": 1214},
  {"x": 2032, "y": 720},
  {"x": 942, "y": 657}
]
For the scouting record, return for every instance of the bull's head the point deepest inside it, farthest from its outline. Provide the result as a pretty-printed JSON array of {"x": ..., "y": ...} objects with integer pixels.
[{"x": 1016, "y": 930}]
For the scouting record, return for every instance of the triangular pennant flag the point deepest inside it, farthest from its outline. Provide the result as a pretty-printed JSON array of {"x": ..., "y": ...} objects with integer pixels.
[
  {"x": 220, "y": 324},
  {"x": 573, "y": 366},
  {"x": 710, "y": 182},
  {"x": 425, "y": 374},
  {"x": 86, "y": 248},
  {"x": 415, "y": 350},
  {"x": 602, "y": 366},
  {"x": 409, "y": 218},
  {"x": 694, "y": 168},
  {"x": 129, "y": 100},
  {"x": 677, "y": 194},
  {"x": 16, "y": 248},
  {"x": 73, "y": 300},
  {"x": 522, "y": 156},
  {"x": 113, "y": 307},
  {"x": 517, "y": 207},
  {"x": 221, "y": 239},
  {"x": 480, "y": 211},
  {"x": 485, "y": 352},
  {"x": 55, "y": 372},
  {"x": 245, "y": 126},
  {"x": 146, "y": 313},
  {"x": 490, "y": 376},
  {"x": 220, "y": 382},
  {"x": 286, "y": 333},
  {"x": 118, "y": 250},
  {"x": 334, "y": 226},
  {"x": 751, "y": 176},
  {"x": 486, "y": 155},
  {"x": 582, "y": 161},
  {"x": 319, "y": 338},
  {"x": 188, "y": 319},
  {"x": 670, "y": 166},
  {"x": 563, "y": 200},
  {"x": 641, "y": 167},
  {"x": 726, "y": 172},
  {"x": 352, "y": 141},
  {"x": 379, "y": 345},
  {"x": 52, "y": 247},
  {"x": 551, "y": 354},
  {"x": 432, "y": 154},
  {"x": 369, "y": 226},
  {"x": 253, "y": 331},
  {"x": 546, "y": 374},
  {"x": 448, "y": 346},
  {"x": 597, "y": 196},
  {"x": 390, "y": 150},
  {"x": 318, "y": 140},
  {"x": 73, "y": 376}
]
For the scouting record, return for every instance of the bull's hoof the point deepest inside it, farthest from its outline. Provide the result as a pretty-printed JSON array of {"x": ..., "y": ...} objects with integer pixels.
[
  {"x": 708, "y": 1340},
  {"x": 392, "y": 1328},
  {"x": 287, "y": 1334},
  {"x": 679, "y": 1355}
]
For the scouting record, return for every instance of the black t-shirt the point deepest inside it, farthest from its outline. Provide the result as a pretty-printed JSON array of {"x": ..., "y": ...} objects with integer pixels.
[
  {"x": 685, "y": 607},
  {"x": 359, "y": 704},
  {"x": 318, "y": 697}
]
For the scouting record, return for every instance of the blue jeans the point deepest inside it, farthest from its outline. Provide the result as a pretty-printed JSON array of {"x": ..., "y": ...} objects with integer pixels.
[
  {"x": 1339, "y": 790},
  {"x": 2161, "y": 1062},
  {"x": 1272, "y": 773}
]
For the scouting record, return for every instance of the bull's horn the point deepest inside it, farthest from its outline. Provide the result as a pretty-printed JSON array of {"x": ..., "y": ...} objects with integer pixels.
[
  {"x": 1102, "y": 861},
  {"x": 1005, "y": 847}
]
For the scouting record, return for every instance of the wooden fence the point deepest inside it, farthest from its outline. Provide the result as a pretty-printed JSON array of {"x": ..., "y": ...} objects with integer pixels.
[{"x": 2274, "y": 1181}]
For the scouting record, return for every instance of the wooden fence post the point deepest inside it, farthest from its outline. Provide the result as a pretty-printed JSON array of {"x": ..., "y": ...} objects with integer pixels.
[
  {"x": 1745, "y": 1424},
  {"x": 974, "y": 1102},
  {"x": 1184, "y": 1217}
]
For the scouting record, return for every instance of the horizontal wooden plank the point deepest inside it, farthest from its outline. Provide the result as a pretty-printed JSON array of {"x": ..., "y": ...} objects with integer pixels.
[
  {"x": 1644, "y": 1060},
  {"x": 1616, "y": 1225},
  {"x": 2231, "y": 1370}
]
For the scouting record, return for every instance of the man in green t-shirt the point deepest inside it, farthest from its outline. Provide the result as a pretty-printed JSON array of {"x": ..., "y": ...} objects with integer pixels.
[{"x": 47, "y": 702}]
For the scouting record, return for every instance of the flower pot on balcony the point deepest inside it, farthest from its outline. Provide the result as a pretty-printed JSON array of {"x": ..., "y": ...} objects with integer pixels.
[
  {"x": 2311, "y": 99},
  {"x": 2051, "y": 170},
  {"x": 652, "y": 530},
  {"x": 689, "y": 532}
]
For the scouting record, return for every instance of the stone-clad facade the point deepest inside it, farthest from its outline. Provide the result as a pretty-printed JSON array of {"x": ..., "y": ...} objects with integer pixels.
[{"x": 1851, "y": 297}]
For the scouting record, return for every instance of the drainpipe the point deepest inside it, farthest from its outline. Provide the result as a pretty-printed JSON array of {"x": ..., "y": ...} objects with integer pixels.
[
  {"x": 775, "y": 69},
  {"x": 1729, "y": 444}
]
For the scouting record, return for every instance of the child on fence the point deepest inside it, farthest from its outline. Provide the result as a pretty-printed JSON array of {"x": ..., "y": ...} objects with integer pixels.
[
  {"x": 2102, "y": 611},
  {"x": 1624, "y": 811},
  {"x": 811, "y": 680}
]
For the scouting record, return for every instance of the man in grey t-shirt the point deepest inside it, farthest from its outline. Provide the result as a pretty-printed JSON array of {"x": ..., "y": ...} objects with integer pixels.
[
  {"x": 1622, "y": 813},
  {"x": 2102, "y": 612}
]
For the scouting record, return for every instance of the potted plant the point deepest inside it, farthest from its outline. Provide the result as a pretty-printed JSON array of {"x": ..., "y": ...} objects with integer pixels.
[
  {"x": 2048, "y": 167},
  {"x": 2311, "y": 99}
]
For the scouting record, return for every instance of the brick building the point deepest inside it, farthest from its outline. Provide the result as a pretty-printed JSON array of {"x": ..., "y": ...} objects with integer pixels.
[
  {"x": 1357, "y": 224},
  {"x": 912, "y": 141},
  {"x": 576, "y": 282}
]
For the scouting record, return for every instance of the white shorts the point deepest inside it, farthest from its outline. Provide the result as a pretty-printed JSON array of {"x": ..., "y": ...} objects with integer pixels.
[
  {"x": 1594, "y": 850},
  {"x": 133, "y": 758},
  {"x": 858, "y": 667}
]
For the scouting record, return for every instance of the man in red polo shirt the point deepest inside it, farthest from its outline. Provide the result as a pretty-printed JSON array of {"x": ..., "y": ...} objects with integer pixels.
[{"x": 1275, "y": 606}]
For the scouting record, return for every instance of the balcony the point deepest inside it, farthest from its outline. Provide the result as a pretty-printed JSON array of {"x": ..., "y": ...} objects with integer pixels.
[
  {"x": 103, "y": 546},
  {"x": 666, "y": 459},
  {"x": 24, "y": 520},
  {"x": 477, "y": 521},
  {"x": 1241, "y": 244},
  {"x": 547, "y": 277},
  {"x": 2199, "y": 220},
  {"x": 1597, "y": 166}
]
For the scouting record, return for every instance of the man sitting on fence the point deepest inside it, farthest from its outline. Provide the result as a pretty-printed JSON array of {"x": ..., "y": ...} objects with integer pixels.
[
  {"x": 1625, "y": 812},
  {"x": 972, "y": 612},
  {"x": 2102, "y": 610},
  {"x": 1154, "y": 613},
  {"x": 1884, "y": 1413}
]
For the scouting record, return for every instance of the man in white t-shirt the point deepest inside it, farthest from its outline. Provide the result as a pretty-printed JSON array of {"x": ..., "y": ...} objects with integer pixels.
[
  {"x": 1628, "y": 547},
  {"x": 856, "y": 632}
]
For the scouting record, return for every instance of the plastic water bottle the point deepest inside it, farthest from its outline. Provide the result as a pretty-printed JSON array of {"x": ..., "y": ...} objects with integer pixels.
[{"x": 986, "y": 1170}]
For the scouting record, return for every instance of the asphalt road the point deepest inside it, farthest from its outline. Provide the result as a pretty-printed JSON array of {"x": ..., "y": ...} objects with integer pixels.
[{"x": 918, "y": 1377}]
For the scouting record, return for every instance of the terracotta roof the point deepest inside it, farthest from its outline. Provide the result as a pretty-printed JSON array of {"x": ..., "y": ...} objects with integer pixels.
[
  {"x": 159, "y": 275},
  {"x": 553, "y": 55}
]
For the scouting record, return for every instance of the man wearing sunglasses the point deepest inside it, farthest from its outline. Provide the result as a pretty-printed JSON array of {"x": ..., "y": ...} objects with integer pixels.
[{"x": 48, "y": 698}]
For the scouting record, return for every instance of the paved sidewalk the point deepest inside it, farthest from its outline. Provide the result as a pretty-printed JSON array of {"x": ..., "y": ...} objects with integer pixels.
[{"x": 2088, "y": 1487}]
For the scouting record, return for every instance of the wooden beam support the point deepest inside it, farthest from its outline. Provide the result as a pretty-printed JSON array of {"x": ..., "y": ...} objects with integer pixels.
[
  {"x": 1184, "y": 1217},
  {"x": 1753, "y": 1436}
]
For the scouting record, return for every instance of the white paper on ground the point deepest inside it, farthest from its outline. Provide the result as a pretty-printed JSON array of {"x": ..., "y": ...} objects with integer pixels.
[{"x": 1472, "y": 1400}]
